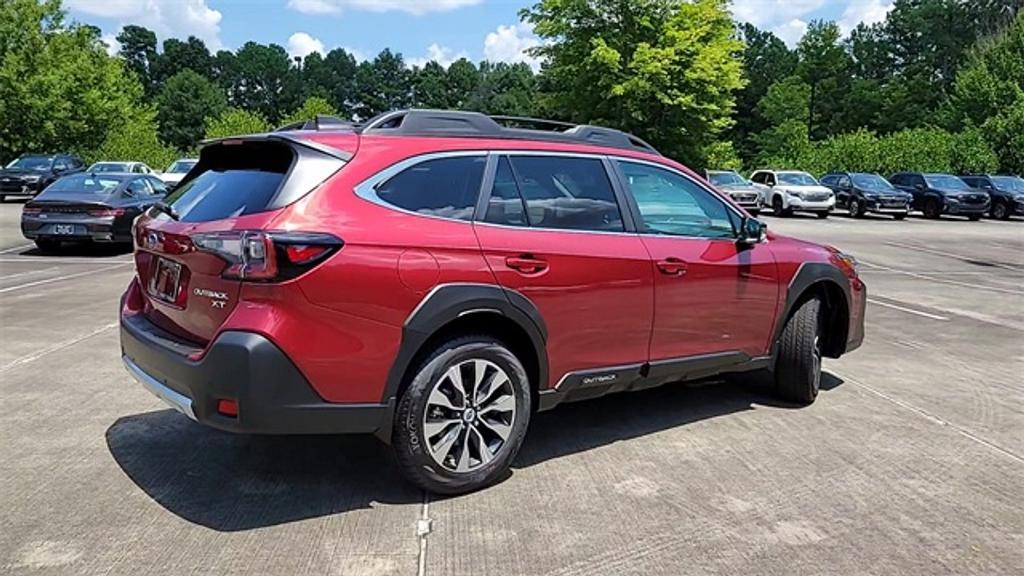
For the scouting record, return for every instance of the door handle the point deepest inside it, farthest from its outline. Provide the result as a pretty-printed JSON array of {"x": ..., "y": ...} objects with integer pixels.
[
  {"x": 526, "y": 264},
  {"x": 671, "y": 266}
]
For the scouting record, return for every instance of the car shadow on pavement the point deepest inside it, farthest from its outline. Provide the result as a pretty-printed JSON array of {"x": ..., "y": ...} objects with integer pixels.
[
  {"x": 80, "y": 251},
  {"x": 230, "y": 483}
]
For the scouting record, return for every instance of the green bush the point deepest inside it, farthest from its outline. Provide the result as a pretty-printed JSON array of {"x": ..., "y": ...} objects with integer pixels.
[
  {"x": 235, "y": 122},
  {"x": 971, "y": 152},
  {"x": 722, "y": 155},
  {"x": 311, "y": 108}
]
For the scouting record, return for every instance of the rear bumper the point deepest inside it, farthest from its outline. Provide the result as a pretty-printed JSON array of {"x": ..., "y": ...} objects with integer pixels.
[
  {"x": 273, "y": 397},
  {"x": 91, "y": 229}
]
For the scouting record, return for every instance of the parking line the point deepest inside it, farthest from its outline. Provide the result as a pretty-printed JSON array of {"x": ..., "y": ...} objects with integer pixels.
[
  {"x": 16, "y": 248},
  {"x": 51, "y": 259},
  {"x": 953, "y": 255},
  {"x": 55, "y": 348},
  {"x": 59, "y": 278},
  {"x": 907, "y": 310}
]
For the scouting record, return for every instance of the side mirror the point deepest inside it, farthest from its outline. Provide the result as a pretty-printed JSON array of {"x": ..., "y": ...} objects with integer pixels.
[
  {"x": 919, "y": 186},
  {"x": 752, "y": 231}
]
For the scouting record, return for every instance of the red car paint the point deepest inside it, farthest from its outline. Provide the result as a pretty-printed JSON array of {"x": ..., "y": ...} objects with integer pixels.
[{"x": 607, "y": 299}]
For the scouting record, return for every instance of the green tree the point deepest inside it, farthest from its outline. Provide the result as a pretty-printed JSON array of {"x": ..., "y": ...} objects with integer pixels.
[
  {"x": 134, "y": 138},
  {"x": 311, "y": 108},
  {"x": 260, "y": 81},
  {"x": 59, "y": 90},
  {"x": 430, "y": 88},
  {"x": 383, "y": 84},
  {"x": 184, "y": 104},
  {"x": 138, "y": 50},
  {"x": 461, "y": 81},
  {"x": 181, "y": 55},
  {"x": 667, "y": 71},
  {"x": 506, "y": 89},
  {"x": 766, "y": 59},
  {"x": 787, "y": 99},
  {"x": 333, "y": 77},
  {"x": 235, "y": 122},
  {"x": 825, "y": 66}
]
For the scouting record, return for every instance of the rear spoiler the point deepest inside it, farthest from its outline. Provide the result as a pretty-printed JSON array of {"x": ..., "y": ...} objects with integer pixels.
[{"x": 285, "y": 137}]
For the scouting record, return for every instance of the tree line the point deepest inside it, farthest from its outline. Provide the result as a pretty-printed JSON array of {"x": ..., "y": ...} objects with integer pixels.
[{"x": 938, "y": 84}]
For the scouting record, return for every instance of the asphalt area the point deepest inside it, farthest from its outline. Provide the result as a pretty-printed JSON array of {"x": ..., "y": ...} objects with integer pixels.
[{"x": 911, "y": 461}]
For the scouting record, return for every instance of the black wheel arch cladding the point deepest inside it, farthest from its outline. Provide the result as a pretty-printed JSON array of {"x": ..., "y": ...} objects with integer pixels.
[
  {"x": 449, "y": 303},
  {"x": 833, "y": 287}
]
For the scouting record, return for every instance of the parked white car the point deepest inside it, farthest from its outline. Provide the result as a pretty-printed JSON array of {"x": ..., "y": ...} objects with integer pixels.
[
  {"x": 177, "y": 170},
  {"x": 788, "y": 191},
  {"x": 125, "y": 167}
]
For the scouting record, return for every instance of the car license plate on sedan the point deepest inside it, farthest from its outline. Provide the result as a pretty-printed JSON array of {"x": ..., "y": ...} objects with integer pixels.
[
  {"x": 64, "y": 229},
  {"x": 164, "y": 284}
]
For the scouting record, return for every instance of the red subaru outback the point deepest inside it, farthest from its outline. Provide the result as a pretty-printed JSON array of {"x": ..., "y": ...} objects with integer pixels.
[{"x": 435, "y": 278}]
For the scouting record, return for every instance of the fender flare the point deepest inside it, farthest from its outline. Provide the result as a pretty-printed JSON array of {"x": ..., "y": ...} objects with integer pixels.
[
  {"x": 448, "y": 302},
  {"x": 809, "y": 274}
]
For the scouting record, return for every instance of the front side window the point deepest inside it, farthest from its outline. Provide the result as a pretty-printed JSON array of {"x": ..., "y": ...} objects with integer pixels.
[
  {"x": 844, "y": 182},
  {"x": 443, "y": 187},
  {"x": 945, "y": 182},
  {"x": 674, "y": 205},
  {"x": 569, "y": 193},
  {"x": 137, "y": 188}
]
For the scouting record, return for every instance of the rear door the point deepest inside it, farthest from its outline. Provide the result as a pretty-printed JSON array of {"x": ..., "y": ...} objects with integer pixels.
[
  {"x": 711, "y": 294},
  {"x": 554, "y": 231},
  {"x": 237, "y": 186}
]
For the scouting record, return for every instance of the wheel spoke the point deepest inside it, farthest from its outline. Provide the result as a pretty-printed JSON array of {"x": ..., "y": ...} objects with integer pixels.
[
  {"x": 442, "y": 447},
  {"x": 482, "y": 448},
  {"x": 431, "y": 429},
  {"x": 495, "y": 382},
  {"x": 439, "y": 398},
  {"x": 500, "y": 429},
  {"x": 463, "y": 465},
  {"x": 503, "y": 403}
]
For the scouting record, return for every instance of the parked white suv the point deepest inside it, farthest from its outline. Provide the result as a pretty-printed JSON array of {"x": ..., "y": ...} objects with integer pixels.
[{"x": 788, "y": 191}]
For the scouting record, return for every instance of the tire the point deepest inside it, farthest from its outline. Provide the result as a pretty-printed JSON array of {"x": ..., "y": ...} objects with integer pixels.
[
  {"x": 3, "y": 198},
  {"x": 460, "y": 436},
  {"x": 974, "y": 217},
  {"x": 48, "y": 246},
  {"x": 854, "y": 208},
  {"x": 999, "y": 211},
  {"x": 754, "y": 213},
  {"x": 932, "y": 209},
  {"x": 899, "y": 216},
  {"x": 798, "y": 362},
  {"x": 778, "y": 209},
  {"x": 821, "y": 215}
]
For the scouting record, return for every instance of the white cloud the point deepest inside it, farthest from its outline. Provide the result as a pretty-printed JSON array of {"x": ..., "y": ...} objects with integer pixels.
[
  {"x": 443, "y": 55},
  {"x": 409, "y": 6},
  {"x": 359, "y": 55},
  {"x": 113, "y": 46},
  {"x": 769, "y": 13},
  {"x": 791, "y": 32},
  {"x": 509, "y": 44},
  {"x": 168, "y": 18},
  {"x": 301, "y": 44},
  {"x": 866, "y": 11}
]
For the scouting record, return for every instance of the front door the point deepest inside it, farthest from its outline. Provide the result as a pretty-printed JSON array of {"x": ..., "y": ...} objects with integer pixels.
[
  {"x": 553, "y": 231},
  {"x": 712, "y": 295}
]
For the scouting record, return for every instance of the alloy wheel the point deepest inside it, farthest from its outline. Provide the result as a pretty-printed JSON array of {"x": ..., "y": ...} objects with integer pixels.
[
  {"x": 854, "y": 207},
  {"x": 999, "y": 211},
  {"x": 469, "y": 415}
]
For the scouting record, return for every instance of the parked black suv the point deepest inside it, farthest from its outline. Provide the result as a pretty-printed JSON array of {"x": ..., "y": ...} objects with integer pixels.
[
  {"x": 1007, "y": 193},
  {"x": 938, "y": 194},
  {"x": 860, "y": 192},
  {"x": 29, "y": 174}
]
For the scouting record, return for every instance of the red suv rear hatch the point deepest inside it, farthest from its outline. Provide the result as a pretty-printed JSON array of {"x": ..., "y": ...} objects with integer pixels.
[{"x": 192, "y": 257}]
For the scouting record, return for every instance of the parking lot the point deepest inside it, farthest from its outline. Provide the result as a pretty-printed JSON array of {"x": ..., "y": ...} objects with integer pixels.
[{"x": 911, "y": 461}]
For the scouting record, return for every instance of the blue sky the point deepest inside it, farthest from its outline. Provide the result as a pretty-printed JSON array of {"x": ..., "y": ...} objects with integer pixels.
[{"x": 442, "y": 30}]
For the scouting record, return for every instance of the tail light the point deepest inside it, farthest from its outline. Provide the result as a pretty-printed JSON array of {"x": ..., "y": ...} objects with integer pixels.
[
  {"x": 106, "y": 212},
  {"x": 32, "y": 210},
  {"x": 267, "y": 256}
]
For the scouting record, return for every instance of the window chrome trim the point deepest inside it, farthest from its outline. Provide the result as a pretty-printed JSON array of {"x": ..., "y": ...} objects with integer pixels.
[
  {"x": 367, "y": 189},
  {"x": 714, "y": 194}
]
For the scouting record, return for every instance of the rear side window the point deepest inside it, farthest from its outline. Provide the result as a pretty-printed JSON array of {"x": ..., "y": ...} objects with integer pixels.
[
  {"x": 444, "y": 187},
  {"x": 568, "y": 193},
  {"x": 505, "y": 205},
  {"x": 235, "y": 180}
]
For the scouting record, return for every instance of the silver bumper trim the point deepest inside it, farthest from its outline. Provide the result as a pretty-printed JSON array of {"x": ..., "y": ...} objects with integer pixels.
[{"x": 179, "y": 402}]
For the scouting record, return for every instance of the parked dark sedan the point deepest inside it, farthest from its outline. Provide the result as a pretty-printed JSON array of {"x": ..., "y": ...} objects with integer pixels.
[
  {"x": 29, "y": 174},
  {"x": 89, "y": 208},
  {"x": 860, "y": 192},
  {"x": 1007, "y": 193},
  {"x": 938, "y": 194}
]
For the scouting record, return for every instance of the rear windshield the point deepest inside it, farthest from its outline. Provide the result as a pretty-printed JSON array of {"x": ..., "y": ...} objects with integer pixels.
[
  {"x": 85, "y": 183},
  {"x": 235, "y": 180}
]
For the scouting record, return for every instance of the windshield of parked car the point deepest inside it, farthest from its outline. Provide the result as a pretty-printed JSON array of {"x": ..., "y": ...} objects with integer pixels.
[
  {"x": 797, "y": 179},
  {"x": 1010, "y": 183},
  {"x": 85, "y": 183},
  {"x": 181, "y": 166},
  {"x": 946, "y": 182},
  {"x": 726, "y": 179},
  {"x": 37, "y": 163},
  {"x": 872, "y": 182},
  {"x": 110, "y": 167}
]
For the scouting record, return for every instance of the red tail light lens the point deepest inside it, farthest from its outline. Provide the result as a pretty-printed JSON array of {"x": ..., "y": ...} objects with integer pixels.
[
  {"x": 106, "y": 212},
  {"x": 267, "y": 256}
]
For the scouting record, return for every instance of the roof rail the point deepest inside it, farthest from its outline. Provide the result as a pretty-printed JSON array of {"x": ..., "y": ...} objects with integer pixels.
[
  {"x": 475, "y": 124},
  {"x": 318, "y": 122}
]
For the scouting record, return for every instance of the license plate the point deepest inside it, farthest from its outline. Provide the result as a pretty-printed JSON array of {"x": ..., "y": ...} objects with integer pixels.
[
  {"x": 166, "y": 280},
  {"x": 64, "y": 229}
]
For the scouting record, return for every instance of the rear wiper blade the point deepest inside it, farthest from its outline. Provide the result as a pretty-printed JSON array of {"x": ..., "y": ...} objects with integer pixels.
[{"x": 167, "y": 209}]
